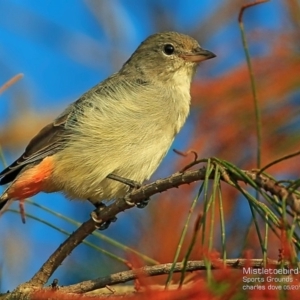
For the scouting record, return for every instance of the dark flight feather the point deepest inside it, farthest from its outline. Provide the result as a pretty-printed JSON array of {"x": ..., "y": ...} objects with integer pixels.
[{"x": 47, "y": 142}]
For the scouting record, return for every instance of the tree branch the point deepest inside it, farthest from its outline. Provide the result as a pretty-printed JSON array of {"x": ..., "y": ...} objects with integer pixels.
[
  {"x": 125, "y": 276},
  {"x": 109, "y": 212},
  {"x": 121, "y": 277},
  {"x": 143, "y": 193}
]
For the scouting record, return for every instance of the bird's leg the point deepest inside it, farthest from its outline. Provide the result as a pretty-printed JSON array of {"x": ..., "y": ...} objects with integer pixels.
[
  {"x": 132, "y": 185},
  {"x": 22, "y": 210},
  {"x": 95, "y": 216}
]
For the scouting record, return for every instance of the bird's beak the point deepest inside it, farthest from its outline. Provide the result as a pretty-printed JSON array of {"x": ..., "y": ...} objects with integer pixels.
[{"x": 198, "y": 56}]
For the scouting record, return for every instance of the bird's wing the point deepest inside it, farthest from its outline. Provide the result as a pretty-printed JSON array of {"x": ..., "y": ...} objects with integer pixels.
[
  {"x": 51, "y": 138},
  {"x": 47, "y": 142}
]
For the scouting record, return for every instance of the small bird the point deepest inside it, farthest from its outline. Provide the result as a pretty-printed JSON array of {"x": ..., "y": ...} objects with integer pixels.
[{"x": 123, "y": 126}]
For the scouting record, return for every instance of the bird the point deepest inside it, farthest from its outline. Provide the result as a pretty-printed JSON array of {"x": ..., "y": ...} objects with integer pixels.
[{"x": 124, "y": 126}]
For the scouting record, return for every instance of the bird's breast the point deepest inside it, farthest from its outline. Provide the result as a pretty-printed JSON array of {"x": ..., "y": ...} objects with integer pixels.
[{"x": 128, "y": 137}]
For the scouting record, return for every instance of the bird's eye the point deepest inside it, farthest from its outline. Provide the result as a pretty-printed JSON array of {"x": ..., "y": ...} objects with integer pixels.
[{"x": 169, "y": 49}]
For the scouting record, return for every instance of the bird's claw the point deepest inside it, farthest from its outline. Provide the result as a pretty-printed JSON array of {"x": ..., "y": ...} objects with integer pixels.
[
  {"x": 143, "y": 203},
  {"x": 95, "y": 215},
  {"x": 133, "y": 185},
  {"x": 140, "y": 204},
  {"x": 128, "y": 201}
]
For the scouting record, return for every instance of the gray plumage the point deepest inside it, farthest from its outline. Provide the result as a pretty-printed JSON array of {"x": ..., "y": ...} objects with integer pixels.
[{"x": 124, "y": 125}]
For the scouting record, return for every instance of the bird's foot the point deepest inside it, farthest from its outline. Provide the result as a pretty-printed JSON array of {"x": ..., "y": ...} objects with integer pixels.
[
  {"x": 134, "y": 185},
  {"x": 143, "y": 203},
  {"x": 140, "y": 204},
  {"x": 95, "y": 215}
]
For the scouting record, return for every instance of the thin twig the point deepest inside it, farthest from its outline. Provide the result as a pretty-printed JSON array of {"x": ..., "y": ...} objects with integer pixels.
[
  {"x": 10, "y": 82},
  {"x": 253, "y": 85},
  {"x": 279, "y": 160},
  {"x": 240, "y": 17}
]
